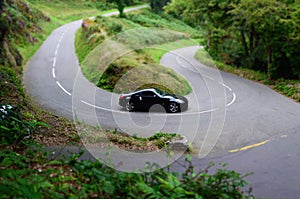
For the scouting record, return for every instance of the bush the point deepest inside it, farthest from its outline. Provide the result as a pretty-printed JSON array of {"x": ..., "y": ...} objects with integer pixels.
[
  {"x": 115, "y": 28},
  {"x": 32, "y": 175},
  {"x": 13, "y": 130}
]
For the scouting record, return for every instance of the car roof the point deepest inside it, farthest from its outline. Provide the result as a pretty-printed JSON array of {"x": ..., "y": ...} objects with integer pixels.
[
  {"x": 147, "y": 89},
  {"x": 142, "y": 90}
]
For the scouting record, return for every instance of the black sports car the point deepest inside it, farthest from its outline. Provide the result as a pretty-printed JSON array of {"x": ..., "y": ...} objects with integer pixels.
[{"x": 146, "y": 98}]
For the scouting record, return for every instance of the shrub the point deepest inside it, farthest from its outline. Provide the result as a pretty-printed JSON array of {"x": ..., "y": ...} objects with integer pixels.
[
  {"x": 115, "y": 28},
  {"x": 36, "y": 174},
  {"x": 13, "y": 130}
]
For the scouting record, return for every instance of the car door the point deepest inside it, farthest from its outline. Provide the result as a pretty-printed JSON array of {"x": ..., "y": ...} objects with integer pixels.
[
  {"x": 136, "y": 99},
  {"x": 148, "y": 99}
]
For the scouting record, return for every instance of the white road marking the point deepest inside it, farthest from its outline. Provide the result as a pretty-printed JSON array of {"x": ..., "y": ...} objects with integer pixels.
[
  {"x": 54, "y": 62},
  {"x": 225, "y": 86},
  {"x": 208, "y": 77},
  {"x": 57, "y": 48},
  {"x": 124, "y": 112},
  {"x": 233, "y": 100},
  {"x": 53, "y": 73},
  {"x": 63, "y": 88},
  {"x": 98, "y": 107},
  {"x": 193, "y": 113},
  {"x": 221, "y": 83},
  {"x": 180, "y": 62}
]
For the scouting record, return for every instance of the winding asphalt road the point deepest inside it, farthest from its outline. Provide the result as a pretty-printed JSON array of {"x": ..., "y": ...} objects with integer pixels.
[{"x": 230, "y": 119}]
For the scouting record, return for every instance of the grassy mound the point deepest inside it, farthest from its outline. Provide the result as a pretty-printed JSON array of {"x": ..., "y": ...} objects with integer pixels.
[{"x": 112, "y": 50}]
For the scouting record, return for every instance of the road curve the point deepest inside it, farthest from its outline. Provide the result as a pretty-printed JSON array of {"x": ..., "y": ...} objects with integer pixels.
[{"x": 226, "y": 112}]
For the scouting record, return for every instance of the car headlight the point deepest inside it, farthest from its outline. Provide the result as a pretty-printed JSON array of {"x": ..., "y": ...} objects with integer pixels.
[{"x": 179, "y": 101}]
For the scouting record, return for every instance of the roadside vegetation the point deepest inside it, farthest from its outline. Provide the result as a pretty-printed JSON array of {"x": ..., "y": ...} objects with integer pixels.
[
  {"x": 27, "y": 170},
  {"x": 258, "y": 41},
  {"x": 287, "y": 87}
]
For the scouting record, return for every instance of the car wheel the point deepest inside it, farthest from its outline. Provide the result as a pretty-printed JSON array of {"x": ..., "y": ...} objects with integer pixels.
[
  {"x": 173, "y": 107},
  {"x": 129, "y": 106}
]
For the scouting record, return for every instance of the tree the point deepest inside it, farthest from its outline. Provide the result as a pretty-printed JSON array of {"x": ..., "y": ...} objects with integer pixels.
[
  {"x": 262, "y": 26},
  {"x": 121, "y": 4},
  {"x": 157, "y": 5},
  {"x": 261, "y": 35},
  {"x": 3, "y": 30}
]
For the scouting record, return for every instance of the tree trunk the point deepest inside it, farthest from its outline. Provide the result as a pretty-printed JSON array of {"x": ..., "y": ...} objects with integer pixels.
[
  {"x": 246, "y": 50},
  {"x": 251, "y": 38},
  {"x": 269, "y": 62},
  {"x": 121, "y": 9}
]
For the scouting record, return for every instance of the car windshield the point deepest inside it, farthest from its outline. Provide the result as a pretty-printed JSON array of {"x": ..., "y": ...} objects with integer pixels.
[{"x": 162, "y": 93}]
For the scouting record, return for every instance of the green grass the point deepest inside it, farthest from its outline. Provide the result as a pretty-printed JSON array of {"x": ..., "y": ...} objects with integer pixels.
[
  {"x": 66, "y": 10},
  {"x": 203, "y": 56},
  {"x": 53, "y": 10},
  {"x": 157, "y": 51},
  {"x": 59, "y": 12},
  {"x": 146, "y": 18},
  {"x": 290, "y": 88}
]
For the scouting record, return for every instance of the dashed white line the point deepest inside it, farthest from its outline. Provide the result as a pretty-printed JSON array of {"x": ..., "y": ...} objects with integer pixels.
[
  {"x": 180, "y": 62},
  {"x": 233, "y": 100},
  {"x": 53, "y": 73},
  {"x": 208, "y": 77},
  {"x": 54, "y": 62},
  {"x": 63, "y": 88},
  {"x": 98, "y": 107},
  {"x": 221, "y": 83},
  {"x": 225, "y": 86}
]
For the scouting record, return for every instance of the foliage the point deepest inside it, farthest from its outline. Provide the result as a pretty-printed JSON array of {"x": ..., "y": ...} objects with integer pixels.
[
  {"x": 261, "y": 35},
  {"x": 17, "y": 23},
  {"x": 13, "y": 130},
  {"x": 121, "y": 4},
  {"x": 11, "y": 88},
  {"x": 289, "y": 88},
  {"x": 140, "y": 144},
  {"x": 40, "y": 174},
  {"x": 149, "y": 19},
  {"x": 157, "y": 5}
]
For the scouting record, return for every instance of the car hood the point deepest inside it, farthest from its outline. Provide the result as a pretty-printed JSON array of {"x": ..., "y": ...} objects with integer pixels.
[{"x": 170, "y": 96}]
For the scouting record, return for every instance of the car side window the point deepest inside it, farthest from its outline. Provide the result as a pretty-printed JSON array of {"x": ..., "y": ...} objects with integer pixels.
[{"x": 148, "y": 94}]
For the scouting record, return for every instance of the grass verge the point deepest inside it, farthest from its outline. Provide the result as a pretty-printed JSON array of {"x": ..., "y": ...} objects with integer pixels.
[{"x": 97, "y": 137}]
